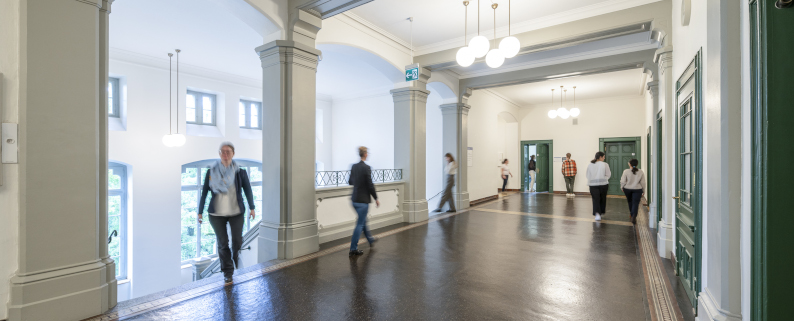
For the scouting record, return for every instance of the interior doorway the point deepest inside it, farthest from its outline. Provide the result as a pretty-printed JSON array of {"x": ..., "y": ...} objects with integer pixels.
[
  {"x": 619, "y": 151},
  {"x": 543, "y": 151}
]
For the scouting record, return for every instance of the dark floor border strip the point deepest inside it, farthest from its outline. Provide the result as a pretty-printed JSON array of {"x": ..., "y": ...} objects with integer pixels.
[
  {"x": 661, "y": 300},
  {"x": 245, "y": 277}
]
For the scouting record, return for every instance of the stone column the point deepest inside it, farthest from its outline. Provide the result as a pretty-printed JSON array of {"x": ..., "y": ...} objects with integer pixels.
[
  {"x": 289, "y": 220},
  {"x": 410, "y": 134},
  {"x": 666, "y": 101},
  {"x": 64, "y": 272},
  {"x": 653, "y": 213},
  {"x": 455, "y": 141}
]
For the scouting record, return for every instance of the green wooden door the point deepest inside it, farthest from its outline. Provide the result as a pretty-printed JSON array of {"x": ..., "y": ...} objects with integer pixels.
[
  {"x": 618, "y": 156},
  {"x": 688, "y": 162},
  {"x": 542, "y": 168},
  {"x": 524, "y": 161},
  {"x": 773, "y": 120}
]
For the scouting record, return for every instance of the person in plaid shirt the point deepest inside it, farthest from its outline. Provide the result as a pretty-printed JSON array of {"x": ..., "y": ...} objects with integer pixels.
[{"x": 569, "y": 173}]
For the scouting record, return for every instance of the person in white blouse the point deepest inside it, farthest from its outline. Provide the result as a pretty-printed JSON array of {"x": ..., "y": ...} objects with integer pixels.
[
  {"x": 633, "y": 185},
  {"x": 450, "y": 170},
  {"x": 505, "y": 172},
  {"x": 598, "y": 175}
]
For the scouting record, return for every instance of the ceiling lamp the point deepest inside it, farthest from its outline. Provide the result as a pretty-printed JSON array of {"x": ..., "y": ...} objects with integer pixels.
[
  {"x": 173, "y": 140},
  {"x": 465, "y": 56},
  {"x": 509, "y": 45},
  {"x": 495, "y": 57},
  {"x": 574, "y": 111},
  {"x": 479, "y": 44},
  {"x": 552, "y": 113},
  {"x": 562, "y": 112}
]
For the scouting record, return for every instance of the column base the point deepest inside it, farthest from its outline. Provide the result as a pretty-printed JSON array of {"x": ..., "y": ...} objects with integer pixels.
[
  {"x": 712, "y": 311},
  {"x": 652, "y": 216},
  {"x": 110, "y": 272},
  {"x": 462, "y": 200},
  {"x": 287, "y": 241},
  {"x": 664, "y": 240},
  {"x": 70, "y": 293},
  {"x": 415, "y": 211}
]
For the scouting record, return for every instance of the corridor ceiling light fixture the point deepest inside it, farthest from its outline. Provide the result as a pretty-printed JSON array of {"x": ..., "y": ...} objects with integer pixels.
[
  {"x": 495, "y": 57},
  {"x": 479, "y": 44},
  {"x": 552, "y": 113},
  {"x": 562, "y": 112},
  {"x": 465, "y": 56},
  {"x": 173, "y": 140},
  {"x": 574, "y": 111},
  {"x": 509, "y": 45}
]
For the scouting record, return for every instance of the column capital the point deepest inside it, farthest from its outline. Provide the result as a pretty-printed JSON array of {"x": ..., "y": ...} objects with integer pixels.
[
  {"x": 455, "y": 108},
  {"x": 409, "y": 94},
  {"x": 287, "y": 51},
  {"x": 653, "y": 88},
  {"x": 664, "y": 58}
]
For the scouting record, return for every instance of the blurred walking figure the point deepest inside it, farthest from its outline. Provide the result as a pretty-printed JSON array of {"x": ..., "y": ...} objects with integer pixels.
[
  {"x": 505, "y": 172},
  {"x": 633, "y": 185},
  {"x": 227, "y": 182},
  {"x": 531, "y": 170},
  {"x": 598, "y": 175},
  {"x": 569, "y": 173},
  {"x": 450, "y": 170},
  {"x": 363, "y": 189}
]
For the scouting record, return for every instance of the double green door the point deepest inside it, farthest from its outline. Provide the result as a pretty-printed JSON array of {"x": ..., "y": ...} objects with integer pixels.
[
  {"x": 542, "y": 168},
  {"x": 543, "y": 150},
  {"x": 618, "y": 156}
]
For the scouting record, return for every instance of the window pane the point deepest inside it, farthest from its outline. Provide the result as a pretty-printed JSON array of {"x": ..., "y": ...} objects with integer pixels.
[
  {"x": 687, "y": 133},
  {"x": 254, "y": 116},
  {"x": 206, "y": 117},
  {"x": 114, "y": 181},
  {"x": 110, "y": 105},
  {"x": 255, "y": 174},
  {"x": 687, "y": 172},
  {"x": 191, "y": 115},
  {"x": 190, "y": 177},
  {"x": 242, "y": 115},
  {"x": 207, "y": 239},
  {"x": 206, "y": 105},
  {"x": 204, "y": 174},
  {"x": 114, "y": 206},
  {"x": 191, "y": 101},
  {"x": 188, "y": 250}
]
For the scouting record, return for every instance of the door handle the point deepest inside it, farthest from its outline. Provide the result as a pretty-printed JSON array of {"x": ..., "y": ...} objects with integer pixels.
[
  {"x": 783, "y": 4},
  {"x": 675, "y": 197}
]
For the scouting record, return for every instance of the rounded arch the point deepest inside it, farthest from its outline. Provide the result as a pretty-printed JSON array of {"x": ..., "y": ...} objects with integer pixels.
[
  {"x": 386, "y": 68},
  {"x": 443, "y": 90},
  {"x": 508, "y": 117}
]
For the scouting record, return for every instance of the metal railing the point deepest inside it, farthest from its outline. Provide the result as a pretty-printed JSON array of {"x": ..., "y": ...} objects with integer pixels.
[{"x": 337, "y": 178}]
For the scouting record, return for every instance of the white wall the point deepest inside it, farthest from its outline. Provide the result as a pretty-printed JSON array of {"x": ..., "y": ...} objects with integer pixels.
[
  {"x": 9, "y": 113},
  {"x": 508, "y": 146},
  {"x": 599, "y": 118},
  {"x": 324, "y": 147},
  {"x": 434, "y": 169},
  {"x": 366, "y": 121},
  {"x": 485, "y": 137}
]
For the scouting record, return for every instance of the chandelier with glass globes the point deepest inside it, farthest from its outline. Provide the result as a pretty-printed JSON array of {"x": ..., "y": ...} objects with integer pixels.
[
  {"x": 480, "y": 46},
  {"x": 562, "y": 112}
]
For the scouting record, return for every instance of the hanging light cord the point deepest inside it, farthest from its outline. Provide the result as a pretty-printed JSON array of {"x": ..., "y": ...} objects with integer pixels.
[
  {"x": 478, "y": 17},
  {"x": 170, "y": 92},
  {"x": 494, "y": 27},
  {"x": 509, "y": 14},
  {"x": 177, "y": 90},
  {"x": 465, "y": 22}
]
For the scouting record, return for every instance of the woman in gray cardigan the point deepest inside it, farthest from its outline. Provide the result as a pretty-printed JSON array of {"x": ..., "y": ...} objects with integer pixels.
[{"x": 633, "y": 185}]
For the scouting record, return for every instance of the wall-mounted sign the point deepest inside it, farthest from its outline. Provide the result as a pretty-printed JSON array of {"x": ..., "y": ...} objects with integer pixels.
[{"x": 412, "y": 74}]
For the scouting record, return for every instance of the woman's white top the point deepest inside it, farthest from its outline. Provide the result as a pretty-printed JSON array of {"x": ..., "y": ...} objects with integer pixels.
[
  {"x": 631, "y": 180},
  {"x": 505, "y": 170},
  {"x": 451, "y": 168},
  {"x": 226, "y": 203},
  {"x": 598, "y": 174}
]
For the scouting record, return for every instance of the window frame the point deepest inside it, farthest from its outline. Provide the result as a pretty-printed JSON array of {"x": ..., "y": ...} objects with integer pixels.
[
  {"x": 116, "y": 99},
  {"x": 199, "y": 116},
  {"x": 198, "y": 187},
  {"x": 122, "y": 233},
  {"x": 248, "y": 104}
]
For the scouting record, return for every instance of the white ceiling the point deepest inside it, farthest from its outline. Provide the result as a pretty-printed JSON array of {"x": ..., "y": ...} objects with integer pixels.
[
  {"x": 437, "y": 21},
  {"x": 613, "y": 84}
]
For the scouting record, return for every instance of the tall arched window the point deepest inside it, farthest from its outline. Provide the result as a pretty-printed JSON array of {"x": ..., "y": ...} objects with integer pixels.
[
  {"x": 117, "y": 217},
  {"x": 199, "y": 239}
]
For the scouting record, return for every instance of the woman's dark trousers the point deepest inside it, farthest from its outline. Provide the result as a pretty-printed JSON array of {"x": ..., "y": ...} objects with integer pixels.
[
  {"x": 229, "y": 258},
  {"x": 599, "y": 194},
  {"x": 633, "y": 196},
  {"x": 505, "y": 184},
  {"x": 447, "y": 196}
]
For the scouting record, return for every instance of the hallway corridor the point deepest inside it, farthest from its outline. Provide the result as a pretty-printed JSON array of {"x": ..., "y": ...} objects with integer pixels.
[{"x": 523, "y": 257}]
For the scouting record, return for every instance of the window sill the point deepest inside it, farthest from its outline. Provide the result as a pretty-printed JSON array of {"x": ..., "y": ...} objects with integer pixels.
[
  {"x": 249, "y": 133},
  {"x": 116, "y": 124},
  {"x": 125, "y": 281},
  {"x": 203, "y": 130}
]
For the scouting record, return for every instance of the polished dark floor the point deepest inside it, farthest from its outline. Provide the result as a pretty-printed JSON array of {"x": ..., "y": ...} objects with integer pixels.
[{"x": 473, "y": 266}]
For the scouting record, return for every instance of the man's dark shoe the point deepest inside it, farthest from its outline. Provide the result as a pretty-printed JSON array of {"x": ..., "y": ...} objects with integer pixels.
[
  {"x": 227, "y": 278},
  {"x": 356, "y": 252},
  {"x": 451, "y": 211},
  {"x": 437, "y": 210}
]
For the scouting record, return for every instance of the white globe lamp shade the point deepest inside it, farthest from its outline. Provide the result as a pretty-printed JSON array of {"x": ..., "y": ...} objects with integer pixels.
[
  {"x": 465, "y": 57},
  {"x": 563, "y": 113},
  {"x": 552, "y": 114},
  {"x": 168, "y": 141},
  {"x": 575, "y": 112},
  {"x": 510, "y": 46},
  {"x": 178, "y": 140},
  {"x": 479, "y": 46},
  {"x": 495, "y": 58}
]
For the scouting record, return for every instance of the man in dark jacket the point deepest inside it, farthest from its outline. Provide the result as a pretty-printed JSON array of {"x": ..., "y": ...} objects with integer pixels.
[{"x": 361, "y": 179}]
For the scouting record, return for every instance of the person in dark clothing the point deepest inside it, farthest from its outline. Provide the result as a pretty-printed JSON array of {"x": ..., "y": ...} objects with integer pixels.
[
  {"x": 227, "y": 182},
  {"x": 531, "y": 170},
  {"x": 363, "y": 189}
]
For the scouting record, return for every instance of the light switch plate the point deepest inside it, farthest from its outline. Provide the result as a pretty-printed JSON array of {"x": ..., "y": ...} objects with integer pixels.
[{"x": 9, "y": 143}]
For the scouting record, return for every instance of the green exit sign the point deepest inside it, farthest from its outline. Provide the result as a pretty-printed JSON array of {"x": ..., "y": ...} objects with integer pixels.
[{"x": 412, "y": 74}]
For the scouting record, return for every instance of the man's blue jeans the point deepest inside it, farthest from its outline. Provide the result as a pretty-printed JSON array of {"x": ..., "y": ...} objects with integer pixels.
[{"x": 361, "y": 225}]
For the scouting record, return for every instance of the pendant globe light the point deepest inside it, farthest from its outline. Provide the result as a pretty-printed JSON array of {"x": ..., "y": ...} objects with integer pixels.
[
  {"x": 574, "y": 111},
  {"x": 465, "y": 56},
  {"x": 562, "y": 112},
  {"x": 552, "y": 113},
  {"x": 510, "y": 45},
  {"x": 495, "y": 57},
  {"x": 479, "y": 44},
  {"x": 173, "y": 140}
]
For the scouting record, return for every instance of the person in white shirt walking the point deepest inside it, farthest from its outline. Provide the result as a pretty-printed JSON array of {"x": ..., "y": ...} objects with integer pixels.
[
  {"x": 450, "y": 170},
  {"x": 531, "y": 170},
  {"x": 598, "y": 175},
  {"x": 505, "y": 172},
  {"x": 633, "y": 185}
]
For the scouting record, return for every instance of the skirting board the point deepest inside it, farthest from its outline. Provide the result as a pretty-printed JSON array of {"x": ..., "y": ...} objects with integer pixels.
[
  {"x": 483, "y": 200},
  {"x": 345, "y": 229}
]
